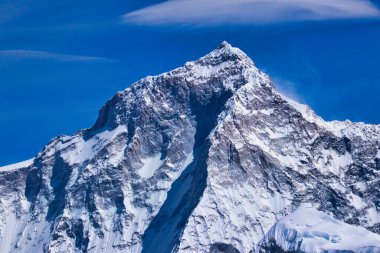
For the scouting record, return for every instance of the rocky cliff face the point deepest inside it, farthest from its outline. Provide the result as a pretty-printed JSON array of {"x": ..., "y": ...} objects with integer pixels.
[{"x": 205, "y": 158}]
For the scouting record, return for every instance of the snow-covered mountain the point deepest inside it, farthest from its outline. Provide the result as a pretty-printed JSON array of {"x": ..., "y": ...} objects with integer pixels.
[{"x": 208, "y": 157}]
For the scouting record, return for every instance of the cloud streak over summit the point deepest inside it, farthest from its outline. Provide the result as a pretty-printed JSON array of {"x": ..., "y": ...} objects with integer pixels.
[{"x": 214, "y": 12}]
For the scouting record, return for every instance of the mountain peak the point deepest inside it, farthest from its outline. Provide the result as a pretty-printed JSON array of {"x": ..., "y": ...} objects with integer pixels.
[
  {"x": 224, "y": 44},
  {"x": 225, "y": 69},
  {"x": 224, "y": 53},
  {"x": 205, "y": 158}
]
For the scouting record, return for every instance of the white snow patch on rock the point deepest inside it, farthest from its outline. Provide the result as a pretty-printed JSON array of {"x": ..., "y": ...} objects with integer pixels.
[
  {"x": 150, "y": 165},
  {"x": 85, "y": 150}
]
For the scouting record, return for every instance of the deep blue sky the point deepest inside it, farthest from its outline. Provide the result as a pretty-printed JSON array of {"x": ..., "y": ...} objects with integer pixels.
[{"x": 61, "y": 60}]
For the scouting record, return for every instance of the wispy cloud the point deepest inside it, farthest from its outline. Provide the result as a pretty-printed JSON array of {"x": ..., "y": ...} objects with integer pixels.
[
  {"x": 214, "y": 12},
  {"x": 31, "y": 54}
]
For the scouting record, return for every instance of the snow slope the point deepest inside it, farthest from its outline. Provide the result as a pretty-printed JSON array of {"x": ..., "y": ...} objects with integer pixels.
[
  {"x": 309, "y": 230},
  {"x": 19, "y": 165}
]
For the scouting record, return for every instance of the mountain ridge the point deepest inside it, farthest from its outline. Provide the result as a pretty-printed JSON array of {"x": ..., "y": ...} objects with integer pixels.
[{"x": 208, "y": 156}]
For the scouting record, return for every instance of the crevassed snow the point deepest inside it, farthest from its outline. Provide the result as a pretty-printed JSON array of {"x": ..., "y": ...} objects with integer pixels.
[
  {"x": 19, "y": 165},
  {"x": 312, "y": 231}
]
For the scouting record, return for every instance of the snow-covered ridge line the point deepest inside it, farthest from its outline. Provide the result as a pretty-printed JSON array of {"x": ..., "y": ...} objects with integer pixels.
[
  {"x": 18, "y": 165},
  {"x": 340, "y": 128}
]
